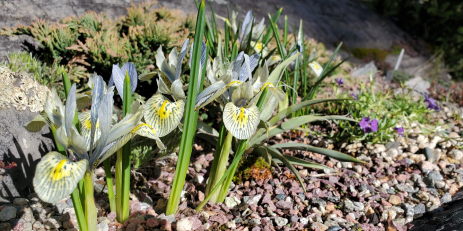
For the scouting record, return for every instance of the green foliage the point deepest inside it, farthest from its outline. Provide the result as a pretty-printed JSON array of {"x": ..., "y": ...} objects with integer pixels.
[
  {"x": 48, "y": 75},
  {"x": 391, "y": 110},
  {"x": 439, "y": 22},
  {"x": 94, "y": 43}
]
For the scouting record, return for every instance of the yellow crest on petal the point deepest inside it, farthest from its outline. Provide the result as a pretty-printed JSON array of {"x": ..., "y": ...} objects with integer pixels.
[
  {"x": 241, "y": 121},
  {"x": 57, "y": 176},
  {"x": 163, "y": 115}
]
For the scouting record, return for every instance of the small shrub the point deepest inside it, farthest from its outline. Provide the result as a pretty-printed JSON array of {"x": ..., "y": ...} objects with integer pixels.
[{"x": 93, "y": 42}]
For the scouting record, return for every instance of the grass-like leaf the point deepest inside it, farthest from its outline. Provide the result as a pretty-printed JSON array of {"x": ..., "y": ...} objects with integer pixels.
[
  {"x": 276, "y": 154},
  {"x": 331, "y": 153},
  {"x": 190, "y": 119},
  {"x": 293, "y": 123}
]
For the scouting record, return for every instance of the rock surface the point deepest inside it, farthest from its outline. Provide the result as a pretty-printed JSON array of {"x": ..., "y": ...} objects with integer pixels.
[
  {"x": 17, "y": 145},
  {"x": 329, "y": 22}
]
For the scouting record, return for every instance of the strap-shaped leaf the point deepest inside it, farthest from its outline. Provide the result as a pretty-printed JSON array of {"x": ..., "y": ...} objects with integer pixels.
[
  {"x": 291, "y": 124},
  {"x": 240, "y": 121},
  {"x": 146, "y": 76},
  {"x": 330, "y": 153},
  {"x": 206, "y": 128},
  {"x": 282, "y": 114},
  {"x": 56, "y": 177},
  {"x": 276, "y": 154},
  {"x": 276, "y": 74},
  {"x": 163, "y": 115}
]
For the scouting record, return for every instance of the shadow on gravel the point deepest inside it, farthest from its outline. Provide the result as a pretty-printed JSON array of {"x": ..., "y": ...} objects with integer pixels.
[{"x": 451, "y": 218}]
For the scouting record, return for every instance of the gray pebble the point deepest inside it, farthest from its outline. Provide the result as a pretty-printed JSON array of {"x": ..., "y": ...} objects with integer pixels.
[
  {"x": 419, "y": 209},
  {"x": 280, "y": 221},
  {"x": 281, "y": 197}
]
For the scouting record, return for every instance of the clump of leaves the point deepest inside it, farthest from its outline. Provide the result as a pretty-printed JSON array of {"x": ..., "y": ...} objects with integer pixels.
[
  {"x": 94, "y": 42},
  {"x": 48, "y": 75},
  {"x": 391, "y": 110}
]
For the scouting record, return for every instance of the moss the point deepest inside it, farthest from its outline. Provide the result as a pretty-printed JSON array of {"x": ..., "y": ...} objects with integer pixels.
[
  {"x": 252, "y": 168},
  {"x": 370, "y": 54}
]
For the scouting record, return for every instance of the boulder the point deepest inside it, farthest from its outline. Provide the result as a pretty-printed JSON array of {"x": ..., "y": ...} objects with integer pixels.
[{"x": 21, "y": 99}]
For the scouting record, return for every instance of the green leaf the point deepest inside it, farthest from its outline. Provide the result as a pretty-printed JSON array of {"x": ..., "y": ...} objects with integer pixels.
[
  {"x": 147, "y": 76},
  {"x": 276, "y": 154},
  {"x": 330, "y": 153},
  {"x": 276, "y": 74},
  {"x": 282, "y": 114},
  {"x": 191, "y": 118},
  {"x": 291, "y": 124},
  {"x": 206, "y": 128}
]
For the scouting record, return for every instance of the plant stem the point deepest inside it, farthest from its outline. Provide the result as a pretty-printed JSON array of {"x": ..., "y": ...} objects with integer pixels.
[
  {"x": 226, "y": 184},
  {"x": 90, "y": 208},
  {"x": 221, "y": 166},
  {"x": 78, "y": 209},
  {"x": 118, "y": 167},
  {"x": 220, "y": 142},
  {"x": 109, "y": 183},
  {"x": 123, "y": 162},
  {"x": 125, "y": 180}
]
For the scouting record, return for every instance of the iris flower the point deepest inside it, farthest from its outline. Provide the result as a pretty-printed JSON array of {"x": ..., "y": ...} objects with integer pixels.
[
  {"x": 241, "y": 116},
  {"x": 316, "y": 67},
  {"x": 400, "y": 130},
  {"x": 118, "y": 76},
  {"x": 432, "y": 104},
  {"x": 230, "y": 22},
  {"x": 57, "y": 175},
  {"x": 369, "y": 126},
  {"x": 237, "y": 73},
  {"x": 260, "y": 81},
  {"x": 245, "y": 27},
  {"x": 340, "y": 81},
  {"x": 162, "y": 113}
]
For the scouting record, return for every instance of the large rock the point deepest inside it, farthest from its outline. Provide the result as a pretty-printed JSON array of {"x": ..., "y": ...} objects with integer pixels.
[
  {"x": 21, "y": 99},
  {"x": 329, "y": 21}
]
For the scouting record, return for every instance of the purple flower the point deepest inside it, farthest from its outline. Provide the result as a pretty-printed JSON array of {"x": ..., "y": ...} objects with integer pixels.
[
  {"x": 369, "y": 126},
  {"x": 400, "y": 131},
  {"x": 340, "y": 81},
  {"x": 355, "y": 96},
  {"x": 432, "y": 105}
]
